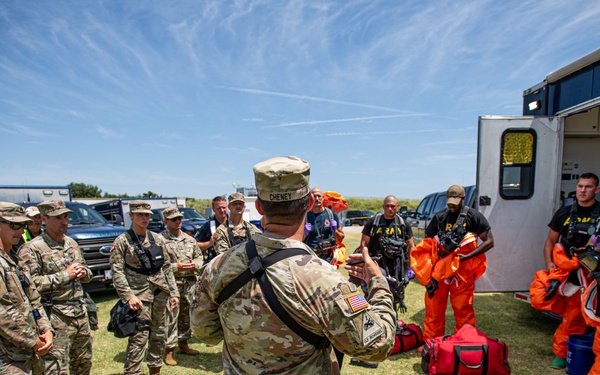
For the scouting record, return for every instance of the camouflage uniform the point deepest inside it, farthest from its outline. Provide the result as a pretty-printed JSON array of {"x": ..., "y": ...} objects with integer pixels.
[
  {"x": 47, "y": 261},
  {"x": 316, "y": 296},
  {"x": 312, "y": 292},
  {"x": 239, "y": 233},
  {"x": 181, "y": 247},
  {"x": 153, "y": 290},
  {"x": 19, "y": 328}
]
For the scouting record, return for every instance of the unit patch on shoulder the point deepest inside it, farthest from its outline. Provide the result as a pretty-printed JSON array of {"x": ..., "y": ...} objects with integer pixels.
[
  {"x": 371, "y": 329},
  {"x": 357, "y": 302}
]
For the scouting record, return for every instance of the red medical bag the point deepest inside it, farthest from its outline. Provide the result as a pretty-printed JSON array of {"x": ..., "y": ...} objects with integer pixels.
[
  {"x": 467, "y": 352},
  {"x": 408, "y": 336}
]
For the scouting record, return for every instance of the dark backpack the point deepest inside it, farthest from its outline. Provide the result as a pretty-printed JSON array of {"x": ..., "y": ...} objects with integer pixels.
[{"x": 124, "y": 321}]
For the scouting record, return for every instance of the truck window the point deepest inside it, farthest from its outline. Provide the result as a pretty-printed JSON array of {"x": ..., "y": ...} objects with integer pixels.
[
  {"x": 440, "y": 203},
  {"x": 424, "y": 207},
  {"x": 517, "y": 163}
]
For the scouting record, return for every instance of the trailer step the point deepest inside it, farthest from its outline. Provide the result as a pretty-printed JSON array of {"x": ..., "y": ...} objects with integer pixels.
[{"x": 522, "y": 296}]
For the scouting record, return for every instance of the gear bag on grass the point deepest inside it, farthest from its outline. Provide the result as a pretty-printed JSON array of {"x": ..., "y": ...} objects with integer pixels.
[
  {"x": 124, "y": 321},
  {"x": 408, "y": 337},
  {"x": 467, "y": 352}
]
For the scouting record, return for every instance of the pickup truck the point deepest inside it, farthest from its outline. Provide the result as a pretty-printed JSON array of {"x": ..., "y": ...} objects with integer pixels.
[
  {"x": 359, "y": 217},
  {"x": 432, "y": 203},
  {"x": 95, "y": 237},
  {"x": 191, "y": 222}
]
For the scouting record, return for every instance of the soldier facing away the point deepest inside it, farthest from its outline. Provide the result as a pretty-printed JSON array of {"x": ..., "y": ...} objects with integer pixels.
[{"x": 312, "y": 293}]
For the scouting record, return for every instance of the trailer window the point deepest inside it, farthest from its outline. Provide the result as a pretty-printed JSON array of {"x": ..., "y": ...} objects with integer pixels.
[{"x": 517, "y": 163}]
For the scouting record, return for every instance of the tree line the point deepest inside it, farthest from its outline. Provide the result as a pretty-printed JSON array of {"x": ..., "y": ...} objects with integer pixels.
[{"x": 83, "y": 190}]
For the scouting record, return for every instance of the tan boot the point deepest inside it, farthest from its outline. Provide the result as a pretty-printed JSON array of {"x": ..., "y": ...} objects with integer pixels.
[
  {"x": 154, "y": 370},
  {"x": 185, "y": 349},
  {"x": 170, "y": 358}
]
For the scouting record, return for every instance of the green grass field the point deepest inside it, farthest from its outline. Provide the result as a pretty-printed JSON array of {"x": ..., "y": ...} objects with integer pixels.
[{"x": 527, "y": 333}]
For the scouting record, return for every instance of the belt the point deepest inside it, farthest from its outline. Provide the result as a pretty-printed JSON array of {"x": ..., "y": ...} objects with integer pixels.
[
  {"x": 143, "y": 271},
  {"x": 68, "y": 303}
]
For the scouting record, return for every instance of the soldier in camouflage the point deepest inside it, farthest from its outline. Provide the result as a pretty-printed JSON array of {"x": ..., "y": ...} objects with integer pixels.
[
  {"x": 234, "y": 230},
  {"x": 313, "y": 293},
  {"x": 57, "y": 269},
  {"x": 25, "y": 330},
  {"x": 185, "y": 258},
  {"x": 144, "y": 279}
]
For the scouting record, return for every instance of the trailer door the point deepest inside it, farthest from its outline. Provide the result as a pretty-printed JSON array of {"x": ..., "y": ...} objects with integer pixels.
[{"x": 518, "y": 184}]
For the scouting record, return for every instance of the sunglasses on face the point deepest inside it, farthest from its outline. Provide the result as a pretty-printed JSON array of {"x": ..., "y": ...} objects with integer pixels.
[
  {"x": 14, "y": 226},
  {"x": 176, "y": 219}
]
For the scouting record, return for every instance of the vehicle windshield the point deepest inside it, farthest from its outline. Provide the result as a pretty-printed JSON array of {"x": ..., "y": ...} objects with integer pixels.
[
  {"x": 83, "y": 214},
  {"x": 190, "y": 214}
]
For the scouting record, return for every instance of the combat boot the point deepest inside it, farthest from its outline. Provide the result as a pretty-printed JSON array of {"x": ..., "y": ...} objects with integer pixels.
[
  {"x": 185, "y": 349},
  {"x": 154, "y": 370},
  {"x": 170, "y": 357}
]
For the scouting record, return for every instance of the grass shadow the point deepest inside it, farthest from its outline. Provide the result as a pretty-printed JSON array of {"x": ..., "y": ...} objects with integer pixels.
[{"x": 205, "y": 361}]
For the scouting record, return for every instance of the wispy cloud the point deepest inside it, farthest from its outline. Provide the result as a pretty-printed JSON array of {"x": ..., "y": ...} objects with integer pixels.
[
  {"x": 472, "y": 141},
  {"x": 354, "y": 119},
  {"x": 315, "y": 99},
  {"x": 105, "y": 132},
  {"x": 27, "y": 131},
  {"x": 348, "y": 134}
]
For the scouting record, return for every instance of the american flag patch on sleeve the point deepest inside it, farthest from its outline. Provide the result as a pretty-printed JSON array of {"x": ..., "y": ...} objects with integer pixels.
[{"x": 357, "y": 302}]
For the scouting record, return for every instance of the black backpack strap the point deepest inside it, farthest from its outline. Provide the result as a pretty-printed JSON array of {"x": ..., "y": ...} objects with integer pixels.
[
  {"x": 462, "y": 217},
  {"x": 255, "y": 264},
  {"x": 596, "y": 212},
  {"x": 243, "y": 278},
  {"x": 376, "y": 222},
  {"x": 256, "y": 268},
  {"x": 572, "y": 221}
]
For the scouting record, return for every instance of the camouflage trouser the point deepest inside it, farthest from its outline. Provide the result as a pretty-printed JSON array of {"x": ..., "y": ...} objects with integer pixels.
[
  {"x": 178, "y": 320},
  {"x": 136, "y": 346},
  {"x": 10, "y": 367},
  {"x": 72, "y": 349}
]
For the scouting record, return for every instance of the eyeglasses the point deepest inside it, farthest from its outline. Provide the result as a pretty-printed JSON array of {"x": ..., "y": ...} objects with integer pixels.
[
  {"x": 178, "y": 218},
  {"x": 14, "y": 226}
]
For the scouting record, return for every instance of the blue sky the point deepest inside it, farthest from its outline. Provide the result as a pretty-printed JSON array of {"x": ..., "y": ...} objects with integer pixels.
[{"x": 182, "y": 98}]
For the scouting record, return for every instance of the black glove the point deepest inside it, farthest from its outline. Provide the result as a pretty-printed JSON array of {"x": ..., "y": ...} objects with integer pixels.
[
  {"x": 596, "y": 276},
  {"x": 431, "y": 287},
  {"x": 551, "y": 289},
  {"x": 571, "y": 251}
]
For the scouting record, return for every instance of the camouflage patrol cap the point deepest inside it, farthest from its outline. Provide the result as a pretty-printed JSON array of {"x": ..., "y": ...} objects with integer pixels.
[
  {"x": 139, "y": 207},
  {"x": 282, "y": 179},
  {"x": 236, "y": 197},
  {"x": 171, "y": 213},
  {"x": 13, "y": 213},
  {"x": 53, "y": 208}
]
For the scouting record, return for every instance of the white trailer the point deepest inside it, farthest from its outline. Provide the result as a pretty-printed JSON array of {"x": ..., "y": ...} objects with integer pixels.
[
  {"x": 528, "y": 166},
  {"x": 24, "y": 194},
  {"x": 116, "y": 210}
]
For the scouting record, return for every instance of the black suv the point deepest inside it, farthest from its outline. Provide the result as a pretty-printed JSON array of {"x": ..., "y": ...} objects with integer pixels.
[
  {"x": 192, "y": 220},
  {"x": 359, "y": 217},
  {"x": 95, "y": 237}
]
